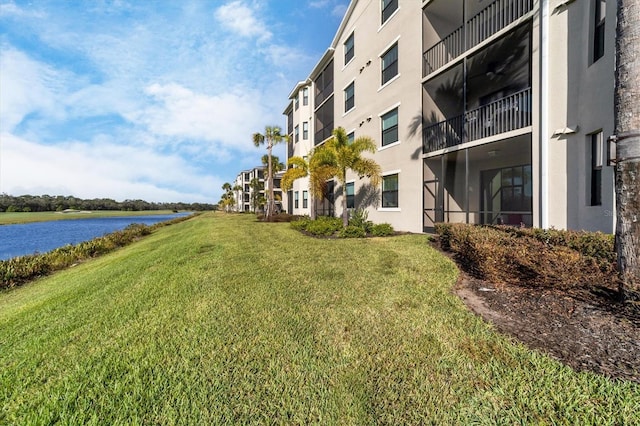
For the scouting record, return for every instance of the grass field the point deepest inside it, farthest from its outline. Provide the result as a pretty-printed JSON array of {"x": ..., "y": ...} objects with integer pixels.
[
  {"x": 224, "y": 320},
  {"x": 21, "y": 217}
]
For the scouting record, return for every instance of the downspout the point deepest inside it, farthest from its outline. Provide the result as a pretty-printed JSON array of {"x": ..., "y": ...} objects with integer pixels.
[{"x": 544, "y": 115}]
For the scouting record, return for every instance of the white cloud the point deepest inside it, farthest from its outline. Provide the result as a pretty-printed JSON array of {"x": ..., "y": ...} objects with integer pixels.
[
  {"x": 27, "y": 87},
  {"x": 227, "y": 119},
  {"x": 241, "y": 19},
  {"x": 98, "y": 170},
  {"x": 11, "y": 9}
]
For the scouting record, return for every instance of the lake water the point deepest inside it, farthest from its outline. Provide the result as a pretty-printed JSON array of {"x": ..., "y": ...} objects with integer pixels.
[{"x": 41, "y": 237}]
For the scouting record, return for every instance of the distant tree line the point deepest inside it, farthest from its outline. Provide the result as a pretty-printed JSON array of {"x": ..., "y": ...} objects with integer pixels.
[{"x": 44, "y": 203}]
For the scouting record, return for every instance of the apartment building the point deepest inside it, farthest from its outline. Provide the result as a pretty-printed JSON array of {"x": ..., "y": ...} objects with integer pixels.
[
  {"x": 245, "y": 195},
  {"x": 482, "y": 111},
  {"x": 299, "y": 114}
]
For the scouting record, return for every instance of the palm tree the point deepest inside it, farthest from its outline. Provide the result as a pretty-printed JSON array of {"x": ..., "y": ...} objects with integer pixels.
[
  {"x": 271, "y": 137},
  {"x": 299, "y": 168},
  {"x": 339, "y": 155},
  {"x": 627, "y": 130}
]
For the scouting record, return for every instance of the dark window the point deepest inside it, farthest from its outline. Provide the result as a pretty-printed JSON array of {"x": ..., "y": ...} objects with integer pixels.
[
  {"x": 349, "y": 97},
  {"x": 305, "y": 199},
  {"x": 290, "y": 122},
  {"x": 305, "y": 130},
  {"x": 598, "y": 30},
  {"x": 349, "y": 49},
  {"x": 390, "y": 127},
  {"x": 351, "y": 195},
  {"x": 388, "y": 7},
  {"x": 324, "y": 121},
  {"x": 305, "y": 96},
  {"x": 296, "y": 197},
  {"x": 390, "y": 64},
  {"x": 324, "y": 84},
  {"x": 597, "y": 155},
  {"x": 351, "y": 137},
  {"x": 296, "y": 134},
  {"x": 390, "y": 191}
]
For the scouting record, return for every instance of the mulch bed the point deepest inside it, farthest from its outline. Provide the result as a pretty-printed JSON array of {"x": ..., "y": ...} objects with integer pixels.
[{"x": 587, "y": 329}]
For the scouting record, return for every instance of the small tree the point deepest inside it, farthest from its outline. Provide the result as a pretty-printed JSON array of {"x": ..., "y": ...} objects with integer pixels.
[
  {"x": 337, "y": 156},
  {"x": 271, "y": 137},
  {"x": 257, "y": 198}
]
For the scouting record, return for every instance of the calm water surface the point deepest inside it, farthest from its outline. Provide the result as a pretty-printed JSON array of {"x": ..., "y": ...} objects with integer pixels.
[{"x": 41, "y": 237}]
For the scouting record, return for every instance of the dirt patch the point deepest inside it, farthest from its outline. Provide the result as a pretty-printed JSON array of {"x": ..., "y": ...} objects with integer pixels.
[{"x": 587, "y": 329}]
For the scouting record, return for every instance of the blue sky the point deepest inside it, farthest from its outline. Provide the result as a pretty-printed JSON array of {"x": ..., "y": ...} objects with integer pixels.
[{"x": 148, "y": 99}]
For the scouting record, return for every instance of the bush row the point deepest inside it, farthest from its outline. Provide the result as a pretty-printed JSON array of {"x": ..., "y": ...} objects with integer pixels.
[
  {"x": 325, "y": 226},
  {"x": 18, "y": 270},
  {"x": 506, "y": 255}
]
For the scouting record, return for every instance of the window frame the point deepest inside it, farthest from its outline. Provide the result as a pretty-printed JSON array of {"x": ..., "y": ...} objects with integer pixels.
[
  {"x": 305, "y": 199},
  {"x": 305, "y": 96},
  {"x": 350, "y": 101},
  {"x": 296, "y": 133},
  {"x": 296, "y": 199},
  {"x": 305, "y": 130},
  {"x": 385, "y": 12},
  {"x": 597, "y": 159},
  {"x": 393, "y": 66},
  {"x": 395, "y": 128},
  {"x": 386, "y": 192},
  {"x": 599, "y": 20},
  {"x": 349, "y": 51},
  {"x": 351, "y": 198}
]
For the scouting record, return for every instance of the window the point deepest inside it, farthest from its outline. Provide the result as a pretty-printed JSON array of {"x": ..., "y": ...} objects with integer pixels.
[
  {"x": 305, "y": 199},
  {"x": 390, "y": 191},
  {"x": 598, "y": 29},
  {"x": 351, "y": 137},
  {"x": 597, "y": 161},
  {"x": 296, "y": 134},
  {"x": 296, "y": 199},
  {"x": 350, "y": 191},
  {"x": 296, "y": 102},
  {"x": 305, "y": 130},
  {"x": 349, "y": 97},
  {"x": 305, "y": 96},
  {"x": 349, "y": 49},
  {"x": 390, "y": 64},
  {"x": 390, "y": 127},
  {"x": 388, "y": 7}
]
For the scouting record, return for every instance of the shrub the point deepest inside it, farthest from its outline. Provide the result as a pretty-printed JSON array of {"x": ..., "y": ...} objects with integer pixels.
[
  {"x": 381, "y": 230},
  {"x": 359, "y": 219},
  {"x": 324, "y": 226},
  {"x": 301, "y": 223},
  {"x": 511, "y": 256},
  {"x": 352, "y": 231}
]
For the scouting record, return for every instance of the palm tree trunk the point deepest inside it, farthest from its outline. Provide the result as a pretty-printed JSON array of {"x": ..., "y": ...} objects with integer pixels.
[
  {"x": 345, "y": 213},
  {"x": 270, "y": 203},
  {"x": 627, "y": 116}
]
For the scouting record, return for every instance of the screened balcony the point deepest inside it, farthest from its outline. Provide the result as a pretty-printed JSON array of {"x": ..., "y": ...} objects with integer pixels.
[
  {"x": 503, "y": 115},
  {"x": 471, "y": 32}
]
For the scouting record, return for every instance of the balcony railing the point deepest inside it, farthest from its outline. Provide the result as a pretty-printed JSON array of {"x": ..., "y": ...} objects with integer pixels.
[
  {"x": 445, "y": 51},
  {"x": 493, "y": 18},
  {"x": 503, "y": 115}
]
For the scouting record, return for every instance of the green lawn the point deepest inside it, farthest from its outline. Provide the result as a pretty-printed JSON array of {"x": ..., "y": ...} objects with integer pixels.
[
  {"x": 21, "y": 217},
  {"x": 221, "y": 320}
]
